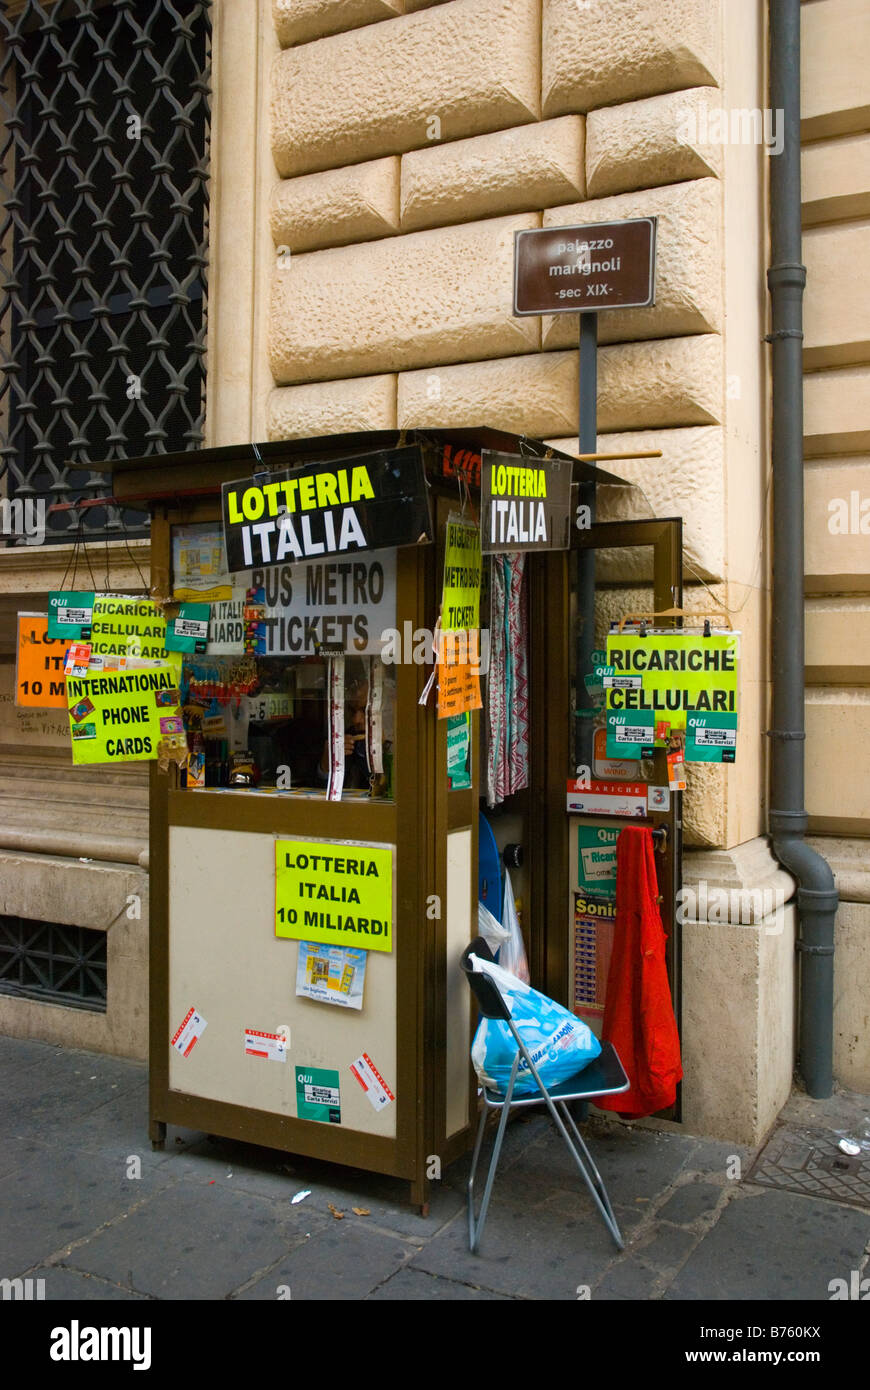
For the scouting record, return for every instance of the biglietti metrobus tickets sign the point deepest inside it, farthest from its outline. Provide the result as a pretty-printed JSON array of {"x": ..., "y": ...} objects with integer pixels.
[
  {"x": 368, "y": 502},
  {"x": 569, "y": 270}
]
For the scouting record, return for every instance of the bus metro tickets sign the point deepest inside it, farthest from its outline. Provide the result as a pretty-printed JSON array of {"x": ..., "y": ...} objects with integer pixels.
[
  {"x": 338, "y": 893},
  {"x": 368, "y": 502},
  {"x": 680, "y": 680}
]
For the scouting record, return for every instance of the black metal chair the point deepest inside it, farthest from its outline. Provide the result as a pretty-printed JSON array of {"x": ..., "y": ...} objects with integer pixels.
[{"x": 604, "y": 1076}]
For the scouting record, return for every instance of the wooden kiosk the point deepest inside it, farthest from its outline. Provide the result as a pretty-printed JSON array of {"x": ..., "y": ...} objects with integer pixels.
[{"x": 214, "y": 947}]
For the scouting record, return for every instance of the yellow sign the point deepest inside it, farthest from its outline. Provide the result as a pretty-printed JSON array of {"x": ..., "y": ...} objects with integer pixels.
[
  {"x": 460, "y": 599},
  {"x": 40, "y": 682},
  {"x": 664, "y": 677},
  {"x": 115, "y": 717},
  {"x": 127, "y": 626},
  {"x": 342, "y": 894}
]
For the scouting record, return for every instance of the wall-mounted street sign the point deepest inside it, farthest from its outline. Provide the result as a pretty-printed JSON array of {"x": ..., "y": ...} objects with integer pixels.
[
  {"x": 569, "y": 270},
  {"x": 367, "y": 502},
  {"x": 525, "y": 503}
]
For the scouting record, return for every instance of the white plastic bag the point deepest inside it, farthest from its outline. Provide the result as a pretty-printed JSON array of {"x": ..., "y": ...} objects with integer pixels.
[
  {"x": 512, "y": 956},
  {"x": 558, "y": 1043},
  {"x": 490, "y": 928}
]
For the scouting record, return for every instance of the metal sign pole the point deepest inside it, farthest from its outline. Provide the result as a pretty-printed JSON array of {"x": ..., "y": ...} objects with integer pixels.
[{"x": 587, "y": 443}]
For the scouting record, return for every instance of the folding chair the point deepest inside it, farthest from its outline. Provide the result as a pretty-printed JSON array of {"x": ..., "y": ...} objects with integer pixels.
[{"x": 604, "y": 1076}]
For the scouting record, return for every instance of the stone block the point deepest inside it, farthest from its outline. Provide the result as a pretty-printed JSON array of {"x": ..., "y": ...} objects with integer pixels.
[
  {"x": 835, "y": 68},
  {"x": 837, "y": 524},
  {"x": 837, "y": 412},
  {"x": 689, "y": 257},
  {"x": 851, "y": 997},
  {"x": 675, "y": 381},
  {"x": 835, "y": 180},
  {"x": 300, "y": 21},
  {"x": 687, "y": 481},
  {"x": 838, "y": 758},
  {"x": 335, "y": 407},
  {"x": 410, "y": 301},
  {"x": 838, "y": 641},
  {"x": 357, "y": 203},
  {"x": 642, "y": 144},
  {"x": 451, "y": 71},
  {"x": 517, "y": 170},
  {"x": 596, "y": 54},
  {"x": 837, "y": 300}
]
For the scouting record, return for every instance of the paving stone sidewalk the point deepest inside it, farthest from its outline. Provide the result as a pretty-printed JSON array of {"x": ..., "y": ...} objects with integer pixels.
[{"x": 211, "y": 1219}]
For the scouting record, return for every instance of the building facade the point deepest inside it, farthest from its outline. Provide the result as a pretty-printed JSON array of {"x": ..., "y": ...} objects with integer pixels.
[{"x": 370, "y": 161}]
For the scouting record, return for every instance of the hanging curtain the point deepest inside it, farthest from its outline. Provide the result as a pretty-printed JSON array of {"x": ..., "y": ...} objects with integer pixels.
[{"x": 507, "y": 710}]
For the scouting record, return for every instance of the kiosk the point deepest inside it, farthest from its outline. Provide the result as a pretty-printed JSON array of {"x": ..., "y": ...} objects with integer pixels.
[{"x": 254, "y": 1034}]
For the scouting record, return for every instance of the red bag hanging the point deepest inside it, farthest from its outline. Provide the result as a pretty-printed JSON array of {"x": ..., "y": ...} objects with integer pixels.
[{"x": 638, "y": 1011}]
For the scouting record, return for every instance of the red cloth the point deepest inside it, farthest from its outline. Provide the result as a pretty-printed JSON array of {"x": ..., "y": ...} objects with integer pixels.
[{"x": 638, "y": 1012}]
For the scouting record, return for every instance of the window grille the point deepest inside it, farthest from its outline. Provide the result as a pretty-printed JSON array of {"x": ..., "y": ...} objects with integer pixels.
[
  {"x": 54, "y": 963},
  {"x": 104, "y": 132}
]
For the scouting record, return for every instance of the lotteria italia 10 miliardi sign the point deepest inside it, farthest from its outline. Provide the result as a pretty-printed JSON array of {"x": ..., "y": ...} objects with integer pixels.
[{"x": 369, "y": 502}]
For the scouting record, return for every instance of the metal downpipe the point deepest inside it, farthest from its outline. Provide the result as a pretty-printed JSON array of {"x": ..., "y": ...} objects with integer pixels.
[{"x": 817, "y": 897}]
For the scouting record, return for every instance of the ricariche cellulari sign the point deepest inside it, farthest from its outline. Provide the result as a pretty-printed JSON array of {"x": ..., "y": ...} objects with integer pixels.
[
  {"x": 368, "y": 502},
  {"x": 566, "y": 270}
]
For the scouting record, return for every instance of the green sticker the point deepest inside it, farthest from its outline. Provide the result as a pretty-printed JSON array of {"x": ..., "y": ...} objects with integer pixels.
[
  {"x": 629, "y": 734},
  {"x": 458, "y": 739},
  {"x": 70, "y": 614},
  {"x": 596, "y": 860},
  {"x": 189, "y": 631},
  {"x": 318, "y": 1096},
  {"x": 711, "y": 738}
]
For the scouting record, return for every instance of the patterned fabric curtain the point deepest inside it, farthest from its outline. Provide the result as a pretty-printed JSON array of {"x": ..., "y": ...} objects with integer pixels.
[{"x": 507, "y": 706}]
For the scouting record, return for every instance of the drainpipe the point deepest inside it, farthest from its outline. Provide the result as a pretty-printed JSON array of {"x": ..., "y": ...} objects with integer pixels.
[{"x": 817, "y": 897}]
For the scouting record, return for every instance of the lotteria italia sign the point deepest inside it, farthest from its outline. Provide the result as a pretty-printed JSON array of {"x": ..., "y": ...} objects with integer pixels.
[
  {"x": 370, "y": 502},
  {"x": 525, "y": 503}
]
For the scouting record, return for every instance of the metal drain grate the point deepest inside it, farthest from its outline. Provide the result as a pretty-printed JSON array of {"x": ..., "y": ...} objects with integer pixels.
[{"x": 809, "y": 1161}]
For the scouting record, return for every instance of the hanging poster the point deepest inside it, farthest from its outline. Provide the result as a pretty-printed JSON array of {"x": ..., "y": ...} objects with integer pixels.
[
  {"x": 116, "y": 717},
  {"x": 70, "y": 614},
  {"x": 331, "y": 974},
  {"x": 346, "y": 605},
  {"x": 596, "y": 860},
  {"x": 124, "y": 625},
  {"x": 594, "y": 923},
  {"x": 460, "y": 593},
  {"x": 663, "y": 678},
  {"x": 318, "y": 1095},
  {"x": 458, "y": 678},
  {"x": 363, "y": 503},
  {"x": 525, "y": 503},
  {"x": 226, "y": 632},
  {"x": 39, "y": 676},
  {"x": 199, "y": 573},
  {"x": 334, "y": 893}
]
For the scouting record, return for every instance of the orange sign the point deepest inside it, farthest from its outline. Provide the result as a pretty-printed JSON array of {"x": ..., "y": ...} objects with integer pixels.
[
  {"x": 40, "y": 682},
  {"x": 458, "y": 685}
]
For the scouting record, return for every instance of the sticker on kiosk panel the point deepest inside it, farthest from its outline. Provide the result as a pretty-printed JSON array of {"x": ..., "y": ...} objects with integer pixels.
[
  {"x": 189, "y": 1033},
  {"x": 272, "y": 1046},
  {"x": 341, "y": 894},
  {"x": 372, "y": 1082},
  {"x": 591, "y": 798},
  {"x": 318, "y": 1095}
]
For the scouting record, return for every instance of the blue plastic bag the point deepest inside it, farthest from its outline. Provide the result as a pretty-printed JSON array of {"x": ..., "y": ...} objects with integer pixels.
[{"x": 559, "y": 1044}]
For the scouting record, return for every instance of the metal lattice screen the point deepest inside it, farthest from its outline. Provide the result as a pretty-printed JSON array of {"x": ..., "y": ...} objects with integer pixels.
[
  {"x": 105, "y": 132},
  {"x": 53, "y": 962}
]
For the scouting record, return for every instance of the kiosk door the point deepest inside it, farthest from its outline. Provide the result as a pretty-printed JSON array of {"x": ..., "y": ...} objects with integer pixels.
[{"x": 615, "y": 569}]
